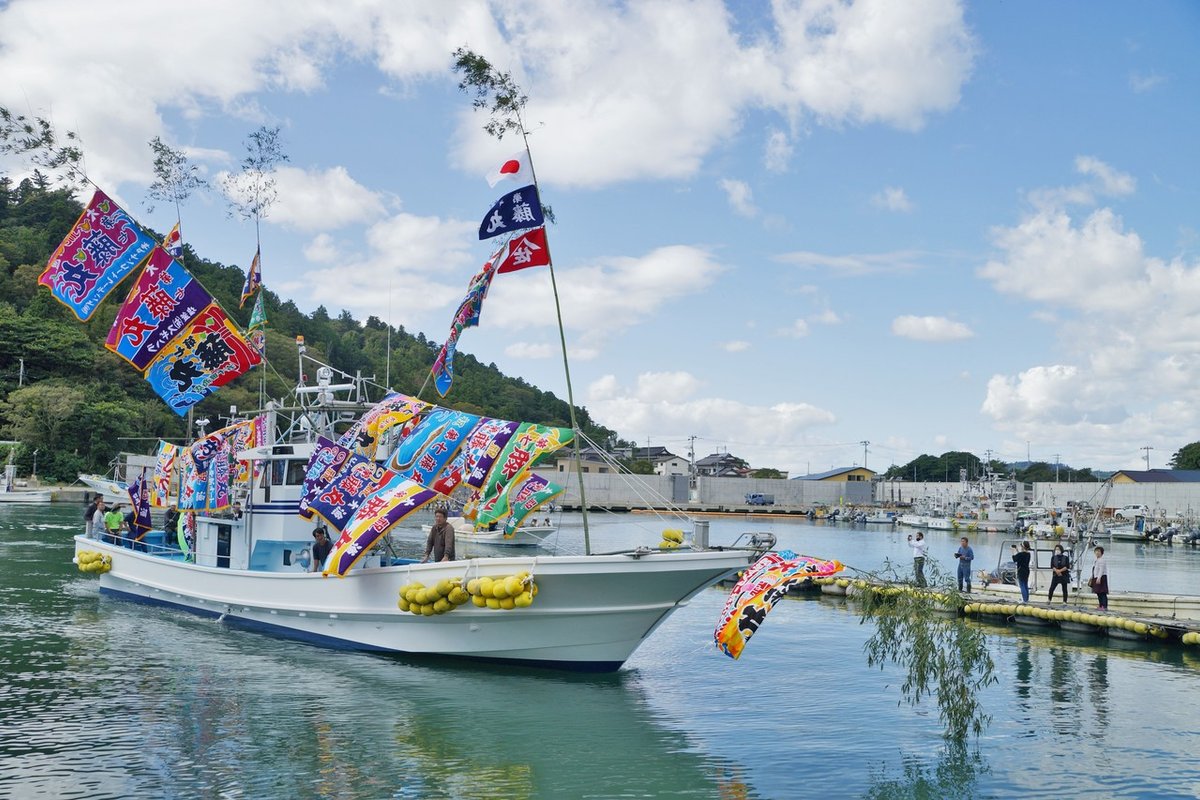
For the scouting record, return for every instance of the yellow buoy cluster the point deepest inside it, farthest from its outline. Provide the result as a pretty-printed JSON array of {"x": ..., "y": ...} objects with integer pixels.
[
  {"x": 92, "y": 561},
  {"x": 672, "y": 538},
  {"x": 1191, "y": 637},
  {"x": 1068, "y": 615},
  {"x": 505, "y": 592},
  {"x": 445, "y": 595}
]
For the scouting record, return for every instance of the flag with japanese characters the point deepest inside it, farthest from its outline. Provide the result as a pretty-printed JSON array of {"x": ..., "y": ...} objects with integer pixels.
[
  {"x": 253, "y": 278},
  {"x": 173, "y": 244},
  {"x": 337, "y": 482},
  {"x": 529, "y": 443},
  {"x": 443, "y": 365},
  {"x": 515, "y": 211},
  {"x": 484, "y": 446},
  {"x": 258, "y": 315},
  {"x": 140, "y": 501},
  {"x": 431, "y": 444},
  {"x": 159, "y": 307},
  {"x": 209, "y": 354},
  {"x": 164, "y": 473},
  {"x": 398, "y": 498},
  {"x": 394, "y": 409},
  {"x": 103, "y": 246},
  {"x": 761, "y": 585},
  {"x": 218, "y": 478},
  {"x": 525, "y": 250},
  {"x": 522, "y": 499}
]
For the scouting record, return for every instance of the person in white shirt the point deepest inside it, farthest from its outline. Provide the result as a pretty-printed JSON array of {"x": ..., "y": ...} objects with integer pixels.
[{"x": 920, "y": 547}]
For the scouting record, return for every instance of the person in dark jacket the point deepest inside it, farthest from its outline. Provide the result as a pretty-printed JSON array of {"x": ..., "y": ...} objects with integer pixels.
[
  {"x": 322, "y": 547},
  {"x": 1060, "y": 567},
  {"x": 1021, "y": 557}
]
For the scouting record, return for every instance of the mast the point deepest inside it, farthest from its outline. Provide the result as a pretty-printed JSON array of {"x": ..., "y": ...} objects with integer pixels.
[{"x": 562, "y": 339}]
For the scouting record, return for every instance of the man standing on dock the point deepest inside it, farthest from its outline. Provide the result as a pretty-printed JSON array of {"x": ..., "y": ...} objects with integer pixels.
[
  {"x": 920, "y": 547},
  {"x": 965, "y": 556}
]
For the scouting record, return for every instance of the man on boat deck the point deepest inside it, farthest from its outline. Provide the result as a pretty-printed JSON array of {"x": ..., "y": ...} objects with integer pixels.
[
  {"x": 441, "y": 539},
  {"x": 322, "y": 547},
  {"x": 97, "y": 528}
]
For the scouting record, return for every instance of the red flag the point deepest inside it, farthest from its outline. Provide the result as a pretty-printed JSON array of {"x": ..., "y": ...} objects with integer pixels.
[
  {"x": 526, "y": 249},
  {"x": 515, "y": 168}
]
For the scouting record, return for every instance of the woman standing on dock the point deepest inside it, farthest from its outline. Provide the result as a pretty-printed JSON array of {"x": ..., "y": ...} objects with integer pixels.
[
  {"x": 1060, "y": 566},
  {"x": 1099, "y": 581}
]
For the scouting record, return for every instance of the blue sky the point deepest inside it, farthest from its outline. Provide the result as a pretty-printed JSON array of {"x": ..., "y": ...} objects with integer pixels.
[{"x": 783, "y": 227}]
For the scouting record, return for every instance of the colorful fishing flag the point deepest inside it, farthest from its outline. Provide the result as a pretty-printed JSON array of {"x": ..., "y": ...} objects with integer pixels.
[
  {"x": 193, "y": 481},
  {"x": 103, "y": 246},
  {"x": 375, "y": 517},
  {"x": 337, "y": 482},
  {"x": 253, "y": 277},
  {"x": 529, "y": 443},
  {"x": 443, "y": 365},
  {"x": 526, "y": 250},
  {"x": 431, "y": 444},
  {"x": 210, "y": 354},
  {"x": 217, "y": 496},
  {"x": 760, "y": 586},
  {"x": 258, "y": 315},
  {"x": 513, "y": 169},
  {"x": 158, "y": 308},
  {"x": 140, "y": 500},
  {"x": 484, "y": 445},
  {"x": 394, "y": 409},
  {"x": 514, "y": 211},
  {"x": 173, "y": 244},
  {"x": 164, "y": 472},
  {"x": 519, "y": 502}
]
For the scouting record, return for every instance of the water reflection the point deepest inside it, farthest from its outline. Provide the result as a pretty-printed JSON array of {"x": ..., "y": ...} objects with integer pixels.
[{"x": 955, "y": 774}]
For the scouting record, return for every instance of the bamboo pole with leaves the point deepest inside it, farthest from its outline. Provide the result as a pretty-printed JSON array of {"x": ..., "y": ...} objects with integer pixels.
[
  {"x": 35, "y": 141},
  {"x": 175, "y": 178},
  {"x": 498, "y": 94},
  {"x": 252, "y": 192}
]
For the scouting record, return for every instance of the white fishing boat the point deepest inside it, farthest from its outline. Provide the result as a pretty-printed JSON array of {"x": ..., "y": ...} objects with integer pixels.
[
  {"x": 530, "y": 535},
  {"x": 111, "y": 489},
  {"x": 590, "y": 614},
  {"x": 10, "y": 492}
]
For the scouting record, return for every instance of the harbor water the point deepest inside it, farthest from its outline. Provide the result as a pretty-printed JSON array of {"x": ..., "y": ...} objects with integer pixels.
[{"x": 101, "y": 698}]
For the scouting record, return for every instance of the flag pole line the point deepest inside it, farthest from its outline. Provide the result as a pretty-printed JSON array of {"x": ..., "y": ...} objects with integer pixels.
[{"x": 562, "y": 338}]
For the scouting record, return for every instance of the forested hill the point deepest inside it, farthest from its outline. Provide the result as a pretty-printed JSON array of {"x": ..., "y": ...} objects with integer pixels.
[{"x": 80, "y": 404}]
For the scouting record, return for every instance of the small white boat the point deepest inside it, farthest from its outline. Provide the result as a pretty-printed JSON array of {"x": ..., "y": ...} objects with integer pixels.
[
  {"x": 881, "y": 518},
  {"x": 524, "y": 536},
  {"x": 9, "y": 493},
  {"x": 111, "y": 489}
]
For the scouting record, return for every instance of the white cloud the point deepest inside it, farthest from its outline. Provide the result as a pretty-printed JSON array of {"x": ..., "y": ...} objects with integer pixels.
[
  {"x": 739, "y": 195},
  {"x": 529, "y": 350},
  {"x": 317, "y": 200},
  {"x": 797, "y": 330},
  {"x": 892, "y": 198},
  {"x": 1112, "y": 181},
  {"x": 414, "y": 266},
  {"x": 673, "y": 405},
  {"x": 606, "y": 297},
  {"x": 1145, "y": 82},
  {"x": 735, "y": 346},
  {"x": 585, "y": 63},
  {"x": 855, "y": 263},
  {"x": 321, "y": 249},
  {"x": 778, "y": 152},
  {"x": 827, "y": 317},
  {"x": 930, "y": 329},
  {"x": 1105, "y": 181}
]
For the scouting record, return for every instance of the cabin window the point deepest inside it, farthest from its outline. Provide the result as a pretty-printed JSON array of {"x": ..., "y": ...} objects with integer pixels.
[{"x": 295, "y": 472}]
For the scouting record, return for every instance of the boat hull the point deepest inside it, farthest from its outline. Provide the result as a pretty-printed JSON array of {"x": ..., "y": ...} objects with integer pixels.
[
  {"x": 17, "y": 496},
  {"x": 591, "y": 612}
]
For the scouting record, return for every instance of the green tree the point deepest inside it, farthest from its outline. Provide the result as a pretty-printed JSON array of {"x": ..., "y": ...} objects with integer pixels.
[
  {"x": 1186, "y": 457},
  {"x": 767, "y": 472}
]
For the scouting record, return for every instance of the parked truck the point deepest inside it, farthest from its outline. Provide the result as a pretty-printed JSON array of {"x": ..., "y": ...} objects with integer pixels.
[{"x": 760, "y": 499}]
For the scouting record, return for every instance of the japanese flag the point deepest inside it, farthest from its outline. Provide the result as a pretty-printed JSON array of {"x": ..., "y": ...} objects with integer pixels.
[{"x": 516, "y": 168}]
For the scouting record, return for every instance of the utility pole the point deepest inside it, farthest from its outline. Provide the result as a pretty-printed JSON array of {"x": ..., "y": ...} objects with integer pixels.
[
  {"x": 864, "y": 443},
  {"x": 1147, "y": 449},
  {"x": 1056, "y": 457}
]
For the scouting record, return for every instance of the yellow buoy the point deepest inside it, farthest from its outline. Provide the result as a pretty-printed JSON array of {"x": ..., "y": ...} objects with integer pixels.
[
  {"x": 512, "y": 586},
  {"x": 478, "y": 601},
  {"x": 492, "y": 603},
  {"x": 508, "y": 603},
  {"x": 523, "y": 600},
  {"x": 485, "y": 587}
]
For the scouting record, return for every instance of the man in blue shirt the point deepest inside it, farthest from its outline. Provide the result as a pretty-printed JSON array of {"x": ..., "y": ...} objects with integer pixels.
[{"x": 965, "y": 556}]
